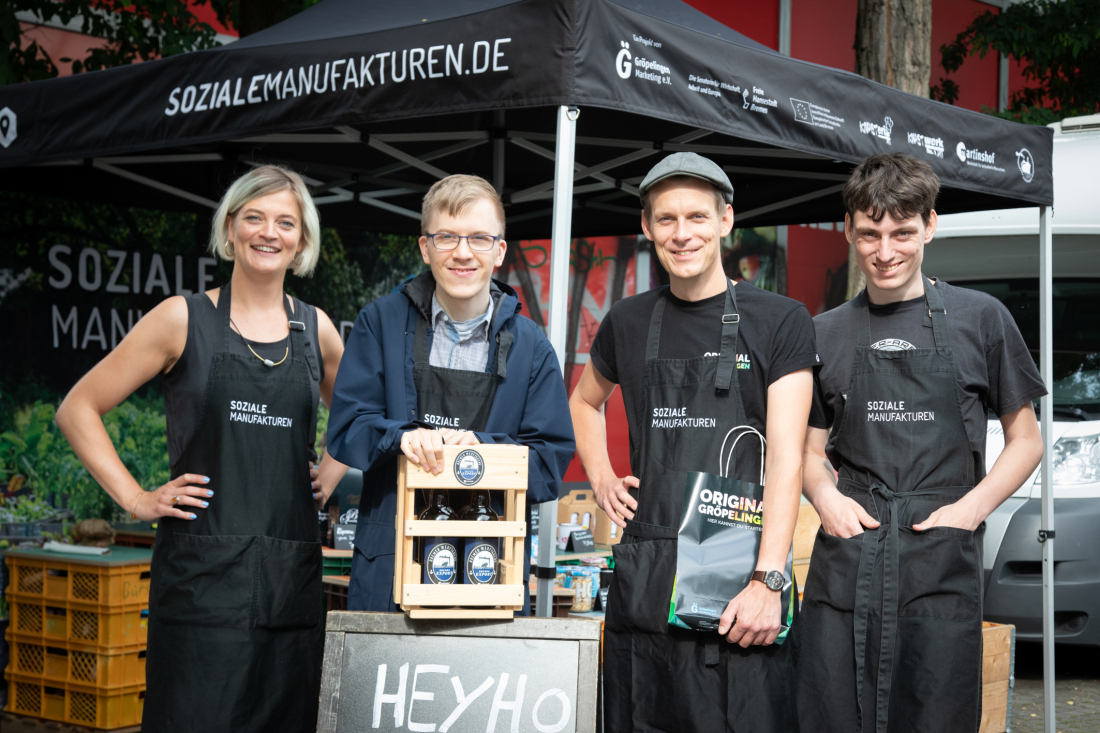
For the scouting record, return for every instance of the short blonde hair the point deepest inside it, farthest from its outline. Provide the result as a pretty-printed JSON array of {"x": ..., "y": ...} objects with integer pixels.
[
  {"x": 262, "y": 181},
  {"x": 454, "y": 194}
]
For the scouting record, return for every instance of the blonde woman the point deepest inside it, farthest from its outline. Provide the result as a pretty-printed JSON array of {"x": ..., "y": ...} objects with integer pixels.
[{"x": 234, "y": 609}]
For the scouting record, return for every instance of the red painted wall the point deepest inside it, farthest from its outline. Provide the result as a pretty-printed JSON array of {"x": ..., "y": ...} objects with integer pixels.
[
  {"x": 824, "y": 32},
  {"x": 759, "y": 20},
  {"x": 977, "y": 78}
]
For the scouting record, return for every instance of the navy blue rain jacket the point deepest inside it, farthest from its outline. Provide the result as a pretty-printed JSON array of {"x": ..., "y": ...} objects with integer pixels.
[{"x": 374, "y": 404}]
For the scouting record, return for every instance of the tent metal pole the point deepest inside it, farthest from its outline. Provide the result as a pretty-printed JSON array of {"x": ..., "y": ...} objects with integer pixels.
[
  {"x": 561, "y": 240},
  {"x": 1046, "y": 532}
]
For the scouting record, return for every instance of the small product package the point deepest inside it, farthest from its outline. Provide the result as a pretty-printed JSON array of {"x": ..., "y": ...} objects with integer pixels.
[{"x": 718, "y": 544}]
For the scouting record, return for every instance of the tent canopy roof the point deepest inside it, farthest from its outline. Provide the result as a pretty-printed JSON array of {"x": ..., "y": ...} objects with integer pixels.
[{"x": 373, "y": 102}]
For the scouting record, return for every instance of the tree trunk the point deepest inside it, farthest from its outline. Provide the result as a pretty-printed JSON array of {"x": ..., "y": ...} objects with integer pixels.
[{"x": 893, "y": 47}]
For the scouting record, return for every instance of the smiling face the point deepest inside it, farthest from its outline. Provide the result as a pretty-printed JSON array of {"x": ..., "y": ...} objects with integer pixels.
[
  {"x": 889, "y": 253},
  {"x": 266, "y": 233},
  {"x": 686, "y": 227},
  {"x": 462, "y": 274}
]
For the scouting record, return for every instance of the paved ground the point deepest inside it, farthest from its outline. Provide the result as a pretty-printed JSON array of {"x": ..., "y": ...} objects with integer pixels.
[{"x": 1077, "y": 689}]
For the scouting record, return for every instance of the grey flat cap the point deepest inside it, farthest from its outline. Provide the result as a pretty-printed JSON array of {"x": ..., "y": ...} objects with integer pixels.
[{"x": 689, "y": 164}]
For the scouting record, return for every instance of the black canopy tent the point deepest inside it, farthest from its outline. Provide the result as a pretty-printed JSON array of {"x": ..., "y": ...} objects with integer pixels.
[{"x": 563, "y": 104}]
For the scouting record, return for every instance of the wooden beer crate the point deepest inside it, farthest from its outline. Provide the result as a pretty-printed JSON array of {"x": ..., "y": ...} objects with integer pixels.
[
  {"x": 998, "y": 668},
  {"x": 493, "y": 467}
]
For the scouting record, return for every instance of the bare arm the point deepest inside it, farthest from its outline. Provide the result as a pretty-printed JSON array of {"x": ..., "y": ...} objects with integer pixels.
[
  {"x": 1022, "y": 452},
  {"x": 330, "y": 471},
  {"x": 753, "y": 616},
  {"x": 152, "y": 347},
  {"x": 840, "y": 515},
  {"x": 586, "y": 405}
]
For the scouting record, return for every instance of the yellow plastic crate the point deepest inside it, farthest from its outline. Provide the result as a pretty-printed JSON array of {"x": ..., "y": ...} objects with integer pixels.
[
  {"x": 32, "y": 576},
  {"x": 58, "y": 661},
  {"x": 50, "y": 621},
  {"x": 75, "y": 704}
]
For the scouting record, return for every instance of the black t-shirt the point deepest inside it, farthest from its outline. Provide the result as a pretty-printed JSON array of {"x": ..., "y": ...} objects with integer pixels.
[
  {"x": 994, "y": 369},
  {"x": 775, "y": 337}
]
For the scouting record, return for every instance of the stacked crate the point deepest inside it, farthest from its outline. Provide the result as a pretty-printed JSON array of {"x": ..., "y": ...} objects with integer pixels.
[{"x": 77, "y": 635}]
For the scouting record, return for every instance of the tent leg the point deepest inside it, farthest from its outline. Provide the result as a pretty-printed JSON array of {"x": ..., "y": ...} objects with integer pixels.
[
  {"x": 561, "y": 240},
  {"x": 1046, "y": 366}
]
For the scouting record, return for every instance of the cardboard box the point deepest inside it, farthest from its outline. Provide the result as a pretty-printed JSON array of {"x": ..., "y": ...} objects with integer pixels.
[
  {"x": 606, "y": 531},
  {"x": 578, "y": 507}
]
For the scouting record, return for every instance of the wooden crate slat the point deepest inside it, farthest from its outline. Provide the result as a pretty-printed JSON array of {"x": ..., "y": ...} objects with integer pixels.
[
  {"x": 505, "y": 468},
  {"x": 994, "y": 707},
  {"x": 433, "y": 528},
  {"x": 995, "y": 668},
  {"x": 417, "y": 594},
  {"x": 471, "y": 613},
  {"x": 996, "y": 639}
]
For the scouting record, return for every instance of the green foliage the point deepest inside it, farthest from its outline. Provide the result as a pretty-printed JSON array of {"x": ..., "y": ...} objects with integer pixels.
[
  {"x": 36, "y": 449},
  {"x": 1058, "y": 42},
  {"x": 337, "y": 285},
  {"x": 133, "y": 31}
]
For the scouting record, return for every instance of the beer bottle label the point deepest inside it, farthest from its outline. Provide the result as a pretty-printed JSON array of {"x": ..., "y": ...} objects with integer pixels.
[
  {"x": 481, "y": 562},
  {"x": 440, "y": 562}
]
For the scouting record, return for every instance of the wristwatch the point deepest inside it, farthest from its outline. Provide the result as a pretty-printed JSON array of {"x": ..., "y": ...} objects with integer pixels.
[{"x": 773, "y": 579}]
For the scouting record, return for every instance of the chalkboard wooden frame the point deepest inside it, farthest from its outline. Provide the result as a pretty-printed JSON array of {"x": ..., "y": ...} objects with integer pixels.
[{"x": 340, "y": 624}]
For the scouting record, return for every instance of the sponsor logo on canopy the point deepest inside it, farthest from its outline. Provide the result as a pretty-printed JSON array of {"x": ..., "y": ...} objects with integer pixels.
[
  {"x": 880, "y": 131},
  {"x": 931, "y": 145},
  {"x": 977, "y": 158},
  {"x": 1026, "y": 164}
]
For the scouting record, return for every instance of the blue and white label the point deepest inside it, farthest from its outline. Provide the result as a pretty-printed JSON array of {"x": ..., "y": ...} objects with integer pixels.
[
  {"x": 481, "y": 562},
  {"x": 440, "y": 566},
  {"x": 469, "y": 467}
]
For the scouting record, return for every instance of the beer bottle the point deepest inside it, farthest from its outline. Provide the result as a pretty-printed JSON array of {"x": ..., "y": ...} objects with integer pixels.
[
  {"x": 480, "y": 553},
  {"x": 440, "y": 556}
]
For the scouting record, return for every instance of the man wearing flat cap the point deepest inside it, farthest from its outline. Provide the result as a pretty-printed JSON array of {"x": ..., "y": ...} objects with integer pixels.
[{"x": 720, "y": 357}]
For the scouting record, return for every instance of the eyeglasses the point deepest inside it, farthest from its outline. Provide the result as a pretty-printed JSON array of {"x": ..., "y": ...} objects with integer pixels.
[{"x": 478, "y": 242}]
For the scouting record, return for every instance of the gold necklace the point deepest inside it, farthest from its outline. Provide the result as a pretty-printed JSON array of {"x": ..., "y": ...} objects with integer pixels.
[{"x": 267, "y": 362}]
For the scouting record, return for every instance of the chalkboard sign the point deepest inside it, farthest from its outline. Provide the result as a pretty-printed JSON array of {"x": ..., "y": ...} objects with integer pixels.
[
  {"x": 343, "y": 536},
  {"x": 580, "y": 540},
  {"x": 389, "y": 672}
]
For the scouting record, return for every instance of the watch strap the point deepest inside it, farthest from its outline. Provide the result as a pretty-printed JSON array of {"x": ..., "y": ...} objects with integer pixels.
[{"x": 759, "y": 575}]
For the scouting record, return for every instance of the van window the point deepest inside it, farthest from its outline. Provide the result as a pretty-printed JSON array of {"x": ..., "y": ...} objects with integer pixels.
[{"x": 1076, "y": 320}]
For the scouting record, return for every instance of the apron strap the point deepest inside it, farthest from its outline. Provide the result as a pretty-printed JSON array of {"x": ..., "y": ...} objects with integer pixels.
[
  {"x": 224, "y": 303},
  {"x": 726, "y": 377},
  {"x": 300, "y": 341},
  {"x": 938, "y": 313},
  {"x": 504, "y": 345},
  {"x": 420, "y": 348},
  {"x": 890, "y": 582}
]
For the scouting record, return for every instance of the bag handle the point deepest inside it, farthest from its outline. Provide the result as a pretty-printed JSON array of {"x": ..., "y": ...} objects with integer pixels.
[{"x": 723, "y": 471}]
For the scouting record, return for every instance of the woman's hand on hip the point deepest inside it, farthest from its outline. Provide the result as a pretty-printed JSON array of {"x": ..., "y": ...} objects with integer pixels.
[{"x": 174, "y": 499}]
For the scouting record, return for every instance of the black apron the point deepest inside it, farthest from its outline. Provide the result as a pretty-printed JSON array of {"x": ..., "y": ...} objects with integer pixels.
[
  {"x": 891, "y": 634},
  {"x": 656, "y": 677},
  {"x": 235, "y": 629},
  {"x": 454, "y": 397}
]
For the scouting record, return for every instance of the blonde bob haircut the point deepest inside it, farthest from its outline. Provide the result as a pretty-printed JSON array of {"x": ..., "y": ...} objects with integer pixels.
[
  {"x": 262, "y": 181},
  {"x": 454, "y": 194}
]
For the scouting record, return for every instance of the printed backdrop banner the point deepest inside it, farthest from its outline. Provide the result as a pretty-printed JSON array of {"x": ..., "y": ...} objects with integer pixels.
[{"x": 357, "y": 75}]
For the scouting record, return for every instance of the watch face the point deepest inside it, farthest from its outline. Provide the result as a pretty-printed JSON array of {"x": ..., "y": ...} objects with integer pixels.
[{"x": 774, "y": 580}]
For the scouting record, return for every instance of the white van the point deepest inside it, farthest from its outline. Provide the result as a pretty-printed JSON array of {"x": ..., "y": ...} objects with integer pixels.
[{"x": 998, "y": 252}]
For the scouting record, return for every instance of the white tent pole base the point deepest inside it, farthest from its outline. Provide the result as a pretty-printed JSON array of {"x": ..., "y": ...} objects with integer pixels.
[
  {"x": 1046, "y": 367},
  {"x": 561, "y": 240}
]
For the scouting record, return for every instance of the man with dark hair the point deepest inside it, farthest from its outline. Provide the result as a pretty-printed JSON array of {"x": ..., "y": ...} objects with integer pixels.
[
  {"x": 891, "y": 636},
  {"x": 718, "y": 357}
]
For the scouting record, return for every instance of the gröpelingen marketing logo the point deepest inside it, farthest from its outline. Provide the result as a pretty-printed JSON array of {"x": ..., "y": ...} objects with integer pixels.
[
  {"x": 7, "y": 127},
  {"x": 623, "y": 61},
  {"x": 1026, "y": 164}
]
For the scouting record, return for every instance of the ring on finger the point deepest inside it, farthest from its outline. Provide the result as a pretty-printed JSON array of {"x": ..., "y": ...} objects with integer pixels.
[{"x": 176, "y": 499}]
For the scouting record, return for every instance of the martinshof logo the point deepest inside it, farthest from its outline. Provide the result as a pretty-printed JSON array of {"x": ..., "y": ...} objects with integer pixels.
[
  {"x": 7, "y": 127},
  {"x": 977, "y": 158},
  {"x": 1026, "y": 164},
  {"x": 880, "y": 131},
  {"x": 469, "y": 467},
  {"x": 931, "y": 145}
]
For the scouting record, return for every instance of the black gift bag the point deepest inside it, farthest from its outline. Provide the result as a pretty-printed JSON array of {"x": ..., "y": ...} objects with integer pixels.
[{"x": 718, "y": 544}]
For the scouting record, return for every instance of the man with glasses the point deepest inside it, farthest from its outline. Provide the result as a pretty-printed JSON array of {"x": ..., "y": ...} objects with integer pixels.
[{"x": 447, "y": 360}]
